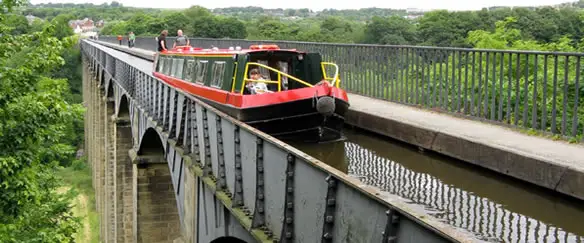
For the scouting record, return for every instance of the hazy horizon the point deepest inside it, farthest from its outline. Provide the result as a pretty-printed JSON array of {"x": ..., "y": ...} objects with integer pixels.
[{"x": 317, "y": 6}]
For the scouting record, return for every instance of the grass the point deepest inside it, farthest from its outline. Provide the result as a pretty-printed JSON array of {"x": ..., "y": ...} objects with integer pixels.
[{"x": 78, "y": 178}]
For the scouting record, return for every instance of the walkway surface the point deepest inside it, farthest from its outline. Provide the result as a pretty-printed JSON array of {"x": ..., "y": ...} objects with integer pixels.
[
  {"x": 139, "y": 62},
  {"x": 556, "y": 165},
  {"x": 476, "y": 131}
]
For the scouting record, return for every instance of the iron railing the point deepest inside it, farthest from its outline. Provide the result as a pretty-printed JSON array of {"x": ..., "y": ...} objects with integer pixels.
[
  {"x": 306, "y": 201},
  {"x": 530, "y": 89}
]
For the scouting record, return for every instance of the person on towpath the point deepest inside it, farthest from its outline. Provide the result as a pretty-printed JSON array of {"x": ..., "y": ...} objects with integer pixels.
[
  {"x": 131, "y": 39},
  {"x": 162, "y": 41},
  {"x": 181, "y": 40}
]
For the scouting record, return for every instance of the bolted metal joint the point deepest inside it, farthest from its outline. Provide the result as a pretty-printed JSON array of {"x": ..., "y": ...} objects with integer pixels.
[
  {"x": 238, "y": 195},
  {"x": 329, "y": 214},
  {"x": 222, "y": 183},
  {"x": 259, "y": 217},
  {"x": 208, "y": 169},
  {"x": 391, "y": 227},
  {"x": 287, "y": 233}
]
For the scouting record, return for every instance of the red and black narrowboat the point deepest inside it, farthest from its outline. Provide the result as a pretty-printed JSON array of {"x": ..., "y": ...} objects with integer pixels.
[{"x": 302, "y": 102}]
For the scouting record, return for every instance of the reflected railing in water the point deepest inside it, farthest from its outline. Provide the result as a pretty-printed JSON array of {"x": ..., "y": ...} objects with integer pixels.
[{"x": 494, "y": 208}]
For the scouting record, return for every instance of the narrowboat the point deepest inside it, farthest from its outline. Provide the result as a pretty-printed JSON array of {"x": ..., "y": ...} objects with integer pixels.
[{"x": 295, "y": 97}]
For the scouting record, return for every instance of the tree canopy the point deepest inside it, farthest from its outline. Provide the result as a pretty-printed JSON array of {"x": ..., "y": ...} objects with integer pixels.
[
  {"x": 368, "y": 25},
  {"x": 36, "y": 129}
]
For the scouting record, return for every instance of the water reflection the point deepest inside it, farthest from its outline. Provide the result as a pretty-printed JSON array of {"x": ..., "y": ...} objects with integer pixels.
[
  {"x": 331, "y": 153},
  {"x": 496, "y": 209}
]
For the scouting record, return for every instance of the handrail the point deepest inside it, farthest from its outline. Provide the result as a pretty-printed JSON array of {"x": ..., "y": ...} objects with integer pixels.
[
  {"x": 234, "y": 76},
  {"x": 335, "y": 79},
  {"x": 279, "y": 81}
]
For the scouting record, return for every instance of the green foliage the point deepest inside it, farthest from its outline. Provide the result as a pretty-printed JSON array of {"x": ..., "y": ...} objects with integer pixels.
[
  {"x": 35, "y": 131},
  {"x": 394, "y": 30},
  {"x": 18, "y": 23},
  {"x": 368, "y": 25},
  {"x": 61, "y": 25},
  {"x": 78, "y": 177},
  {"x": 108, "y": 12}
]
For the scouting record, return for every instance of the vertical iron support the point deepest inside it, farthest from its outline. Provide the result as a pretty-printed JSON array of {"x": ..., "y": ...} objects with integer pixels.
[
  {"x": 238, "y": 195},
  {"x": 208, "y": 168},
  {"x": 287, "y": 234},
  {"x": 172, "y": 113},
  {"x": 187, "y": 126},
  {"x": 329, "y": 212},
  {"x": 222, "y": 182},
  {"x": 195, "y": 137},
  {"x": 180, "y": 123},
  {"x": 259, "y": 218},
  {"x": 390, "y": 232}
]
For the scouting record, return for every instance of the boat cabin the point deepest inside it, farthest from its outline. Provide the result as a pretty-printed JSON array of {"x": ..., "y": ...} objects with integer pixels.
[{"x": 229, "y": 69}]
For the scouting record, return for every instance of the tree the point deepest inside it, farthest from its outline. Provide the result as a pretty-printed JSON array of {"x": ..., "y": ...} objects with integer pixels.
[
  {"x": 195, "y": 12},
  {"x": 34, "y": 116},
  {"x": 61, "y": 23},
  {"x": 231, "y": 28},
  {"x": 18, "y": 23},
  {"x": 336, "y": 24},
  {"x": 139, "y": 24},
  {"x": 176, "y": 21},
  {"x": 394, "y": 30}
]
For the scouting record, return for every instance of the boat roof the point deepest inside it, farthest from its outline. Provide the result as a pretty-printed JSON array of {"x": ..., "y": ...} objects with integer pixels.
[{"x": 188, "y": 50}]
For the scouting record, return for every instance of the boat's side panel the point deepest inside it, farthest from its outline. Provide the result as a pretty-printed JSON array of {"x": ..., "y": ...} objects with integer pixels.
[
  {"x": 209, "y": 70},
  {"x": 251, "y": 101},
  {"x": 240, "y": 74}
]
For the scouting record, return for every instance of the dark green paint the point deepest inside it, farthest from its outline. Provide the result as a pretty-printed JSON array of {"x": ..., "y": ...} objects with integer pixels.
[{"x": 307, "y": 68}]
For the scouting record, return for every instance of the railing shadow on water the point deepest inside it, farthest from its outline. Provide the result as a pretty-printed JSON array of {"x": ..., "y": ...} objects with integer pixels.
[
  {"x": 476, "y": 199},
  {"x": 539, "y": 91}
]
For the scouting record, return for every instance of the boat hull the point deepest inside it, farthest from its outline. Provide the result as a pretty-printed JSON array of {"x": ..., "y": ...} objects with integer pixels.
[{"x": 298, "y": 120}]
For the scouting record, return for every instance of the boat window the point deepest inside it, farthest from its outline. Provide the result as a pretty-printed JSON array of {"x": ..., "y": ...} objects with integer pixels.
[
  {"x": 172, "y": 67},
  {"x": 190, "y": 70},
  {"x": 283, "y": 67},
  {"x": 218, "y": 73},
  {"x": 178, "y": 67},
  {"x": 275, "y": 63},
  {"x": 201, "y": 71},
  {"x": 161, "y": 63},
  {"x": 263, "y": 71},
  {"x": 167, "y": 64}
]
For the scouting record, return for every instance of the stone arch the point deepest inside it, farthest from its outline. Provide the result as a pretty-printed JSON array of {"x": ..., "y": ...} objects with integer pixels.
[
  {"x": 156, "y": 211},
  {"x": 110, "y": 89},
  {"x": 124, "y": 108},
  {"x": 101, "y": 76},
  {"x": 103, "y": 81},
  {"x": 151, "y": 143},
  {"x": 227, "y": 239}
]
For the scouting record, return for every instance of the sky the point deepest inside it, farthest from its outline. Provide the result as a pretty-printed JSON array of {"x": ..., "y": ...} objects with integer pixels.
[{"x": 319, "y": 5}]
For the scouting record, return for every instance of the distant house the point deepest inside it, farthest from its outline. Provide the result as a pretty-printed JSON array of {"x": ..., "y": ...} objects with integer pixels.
[
  {"x": 77, "y": 29},
  {"x": 85, "y": 25},
  {"x": 31, "y": 18}
]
